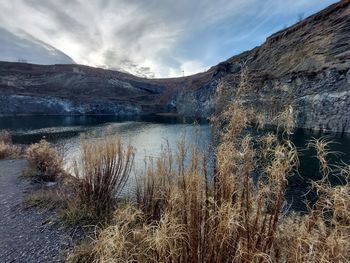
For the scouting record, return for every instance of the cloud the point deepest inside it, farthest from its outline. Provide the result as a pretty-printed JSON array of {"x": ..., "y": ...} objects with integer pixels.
[
  {"x": 24, "y": 47},
  {"x": 152, "y": 38}
]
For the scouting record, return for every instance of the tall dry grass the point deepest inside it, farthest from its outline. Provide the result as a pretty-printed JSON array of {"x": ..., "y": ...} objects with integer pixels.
[
  {"x": 323, "y": 234},
  {"x": 229, "y": 218},
  {"x": 7, "y": 149},
  {"x": 102, "y": 173},
  {"x": 237, "y": 214}
]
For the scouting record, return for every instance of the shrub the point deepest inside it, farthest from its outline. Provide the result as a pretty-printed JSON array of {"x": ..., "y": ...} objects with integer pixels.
[
  {"x": 7, "y": 149},
  {"x": 45, "y": 159},
  {"x": 5, "y": 137},
  {"x": 103, "y": 171}
]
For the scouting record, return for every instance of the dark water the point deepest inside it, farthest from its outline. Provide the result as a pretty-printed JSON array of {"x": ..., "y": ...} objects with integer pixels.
[
  {"x": 149, "y": 134},
  {"x": 299, "y": 185}
]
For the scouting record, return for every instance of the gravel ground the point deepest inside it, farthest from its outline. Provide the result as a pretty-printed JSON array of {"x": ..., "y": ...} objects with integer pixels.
[{"x": 32, "y": 234}]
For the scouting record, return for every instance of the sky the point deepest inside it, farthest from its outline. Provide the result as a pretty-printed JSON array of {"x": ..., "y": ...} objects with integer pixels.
[{"x": 150, "y": 38}]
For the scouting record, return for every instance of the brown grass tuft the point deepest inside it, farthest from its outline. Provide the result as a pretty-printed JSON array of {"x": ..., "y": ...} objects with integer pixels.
[
  {"x": 5, "y": 137},
  {"x": 45, "y": 159},
  {"x": 103, "y": 170},
  {"x": 7, "y": 149}
]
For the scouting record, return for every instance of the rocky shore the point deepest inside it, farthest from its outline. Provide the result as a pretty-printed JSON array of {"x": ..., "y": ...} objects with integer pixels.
[{"x": 28, "y": 234}]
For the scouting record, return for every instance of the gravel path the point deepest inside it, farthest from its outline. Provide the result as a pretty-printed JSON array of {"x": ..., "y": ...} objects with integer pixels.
[{"x": 27, "y": 235}]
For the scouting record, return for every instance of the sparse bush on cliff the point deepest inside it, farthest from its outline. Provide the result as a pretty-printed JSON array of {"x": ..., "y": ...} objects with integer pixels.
[
  {"x": 7, "y": 149},
  {"x": 45, "y": 159}
]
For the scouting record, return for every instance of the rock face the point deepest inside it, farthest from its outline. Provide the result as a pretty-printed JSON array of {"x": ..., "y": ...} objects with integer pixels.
[
  {"x": 19, "y": 104},
  {"x": 306, "y": 65},
  {"x": 75, "y": 89}
]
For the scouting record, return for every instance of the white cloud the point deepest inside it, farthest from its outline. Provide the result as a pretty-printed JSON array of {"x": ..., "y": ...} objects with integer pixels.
[
  {"x": 151, "y": 38},
  {"x": 23, "y": 47}
]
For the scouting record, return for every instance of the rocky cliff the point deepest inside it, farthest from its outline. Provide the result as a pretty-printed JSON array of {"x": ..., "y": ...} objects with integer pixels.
[
  {"x": 75, "y": 89},
  {"x": 306, "y": 65}
]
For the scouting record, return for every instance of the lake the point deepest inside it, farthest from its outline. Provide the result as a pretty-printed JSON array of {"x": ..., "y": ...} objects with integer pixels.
[{"x": 149, "y": 134}]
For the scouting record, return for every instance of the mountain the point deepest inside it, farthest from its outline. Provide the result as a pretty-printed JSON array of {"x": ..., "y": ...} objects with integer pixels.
[
  {"x": 306, "y": 65},
  {"x": 24, "y": 47},
  {"x": 76, "y": 89}
]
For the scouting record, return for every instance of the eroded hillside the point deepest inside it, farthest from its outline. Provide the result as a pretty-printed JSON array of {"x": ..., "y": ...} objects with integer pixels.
[{"x": 306, "y": 65}]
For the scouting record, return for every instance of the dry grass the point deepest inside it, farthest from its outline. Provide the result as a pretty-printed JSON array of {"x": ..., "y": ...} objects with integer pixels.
[
  {"x": 7, "y": 149},
  {"x": 5, "y": 137},
  {"x": 45, "y": 159},
  {"x": 130, "y": 240},
  {"x": 82, "y": 253},
  {"x": 323, "y": 234},
  {"x": 182, "y": 216},
  {"x": 89, "y": 197},
  {"x": 46, "y": 198},
  {"x": 102, "y": 172},
  {"x": 238, "y": 214},
  {"x": 231, "y": 219},
  {"x": 285, "y": 120}
]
